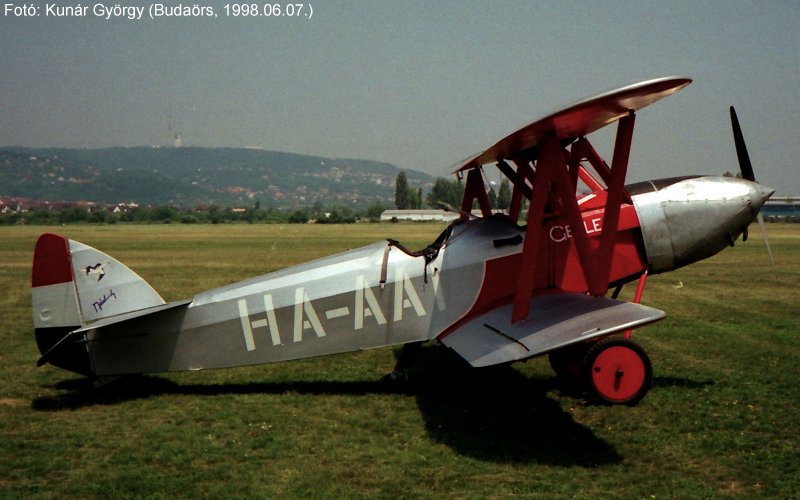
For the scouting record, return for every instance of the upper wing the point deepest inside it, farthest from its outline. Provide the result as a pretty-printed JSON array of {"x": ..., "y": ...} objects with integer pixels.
[
  {"x": 555, "y": 321},
  {"x": 580, "y": 118}
]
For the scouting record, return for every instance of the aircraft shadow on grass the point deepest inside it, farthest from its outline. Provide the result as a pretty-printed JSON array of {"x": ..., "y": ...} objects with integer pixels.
[
  {"x": 681, "y": 382},
  {"x": 495, "y": 414}
]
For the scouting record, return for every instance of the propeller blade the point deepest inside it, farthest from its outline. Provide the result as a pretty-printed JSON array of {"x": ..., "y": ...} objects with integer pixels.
[
  {"x": 741, "y": 149},
  {"x": 764, "y": 235},
  {"x": 746, "y": 169}
]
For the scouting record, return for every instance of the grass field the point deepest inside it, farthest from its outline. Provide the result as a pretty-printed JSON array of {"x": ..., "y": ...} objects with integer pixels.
[{"x": 721, "y": 420}]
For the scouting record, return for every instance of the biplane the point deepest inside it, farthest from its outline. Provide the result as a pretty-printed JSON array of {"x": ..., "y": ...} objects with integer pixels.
[{"x": 542, "y": 278}]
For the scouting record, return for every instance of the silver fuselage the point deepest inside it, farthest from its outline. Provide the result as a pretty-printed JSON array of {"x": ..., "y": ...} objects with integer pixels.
[
  {"x": 331, "y": 305},
  {"x": 340, "y": 304}
]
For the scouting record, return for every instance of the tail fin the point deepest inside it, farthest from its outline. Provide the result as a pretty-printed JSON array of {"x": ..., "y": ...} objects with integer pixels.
[{"x": 75, "y": 285}]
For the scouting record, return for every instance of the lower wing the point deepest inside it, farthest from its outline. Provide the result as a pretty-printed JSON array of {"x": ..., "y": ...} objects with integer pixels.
[{"x": 555, "y": 321}]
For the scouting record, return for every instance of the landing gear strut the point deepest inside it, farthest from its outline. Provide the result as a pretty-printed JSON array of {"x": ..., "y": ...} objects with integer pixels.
[{"x": 409, "y": 354}]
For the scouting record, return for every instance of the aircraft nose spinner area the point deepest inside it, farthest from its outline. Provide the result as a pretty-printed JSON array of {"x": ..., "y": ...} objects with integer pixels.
[
  {"x": 696, "y": 218},
  {"x": 759, "y": 195}
]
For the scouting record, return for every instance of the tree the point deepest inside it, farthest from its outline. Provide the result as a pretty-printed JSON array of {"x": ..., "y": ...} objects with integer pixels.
[
  {"x": 215, "y": 214},
  {"x": 73, "y": 214},
  {"x": 99, "y": 216},
  {"x": 318, "y": 210},
  {"x": 338, "y": 215},
  {"x": 401, "y": 191},
  {"x": 299, "y": 216},
  {"x": 445, "y": 191},
  {"x": 374, "y": 212},
  {"x": 413, "y": 199},
  {"x": 492, "y": 198},
  {"x": 163, "y": 213},
  {"x": 504, "y": 195}
]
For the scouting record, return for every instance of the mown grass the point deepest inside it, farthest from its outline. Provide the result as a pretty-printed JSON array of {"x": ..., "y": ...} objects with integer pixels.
[{"x": 721, "y": 419}]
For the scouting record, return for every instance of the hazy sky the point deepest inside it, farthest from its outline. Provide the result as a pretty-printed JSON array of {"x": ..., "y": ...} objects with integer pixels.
[{"x": 417, "y": 84}]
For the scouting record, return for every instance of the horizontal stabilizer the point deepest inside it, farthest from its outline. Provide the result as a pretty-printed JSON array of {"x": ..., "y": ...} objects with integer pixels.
[
  {"x": 106, "y": 322},
  {"x": 131, "y": 315},
  {"x": 555, "y": 321}
]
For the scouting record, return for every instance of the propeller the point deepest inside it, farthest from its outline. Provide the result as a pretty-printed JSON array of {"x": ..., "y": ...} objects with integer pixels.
[{"x": 746, "y": 169}]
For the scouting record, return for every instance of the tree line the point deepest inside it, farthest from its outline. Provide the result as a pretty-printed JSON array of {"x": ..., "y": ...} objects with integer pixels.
[
  {"x": 443, "y": 193},
  {"x": 213, "y": 214}
]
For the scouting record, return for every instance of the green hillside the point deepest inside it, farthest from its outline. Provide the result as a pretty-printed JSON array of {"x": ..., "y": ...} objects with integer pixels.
[{"x": 193, "y": 175}]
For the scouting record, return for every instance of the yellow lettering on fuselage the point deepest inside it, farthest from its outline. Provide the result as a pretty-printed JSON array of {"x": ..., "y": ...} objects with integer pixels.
[
  {"x": 304, "y": 309},
  {"x": 372, "y": 308},
  {"x": 364, "y": 305},
  {"x": 405, "y": 295}
]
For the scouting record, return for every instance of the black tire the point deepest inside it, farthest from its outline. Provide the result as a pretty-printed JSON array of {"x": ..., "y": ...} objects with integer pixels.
[{"x": 568, "y": 362}]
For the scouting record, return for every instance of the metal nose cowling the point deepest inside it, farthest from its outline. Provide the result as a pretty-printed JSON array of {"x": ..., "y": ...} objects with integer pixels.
[{"x": 694, "y": 219}]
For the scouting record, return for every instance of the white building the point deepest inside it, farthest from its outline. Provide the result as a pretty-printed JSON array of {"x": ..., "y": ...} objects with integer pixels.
[{"x": 425, "y": 215}]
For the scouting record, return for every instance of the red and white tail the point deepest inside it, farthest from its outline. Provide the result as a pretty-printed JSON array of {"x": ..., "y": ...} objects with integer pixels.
[{"x": 74, "y": 285}]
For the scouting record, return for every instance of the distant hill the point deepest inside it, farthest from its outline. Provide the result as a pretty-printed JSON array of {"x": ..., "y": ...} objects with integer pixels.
[{"x": 192, "y": 175}]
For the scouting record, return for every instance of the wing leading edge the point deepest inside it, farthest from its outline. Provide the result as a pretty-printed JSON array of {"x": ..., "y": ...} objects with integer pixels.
[
  {"x": 580, "y": 118},
  {"x": 556, "y": 321}
]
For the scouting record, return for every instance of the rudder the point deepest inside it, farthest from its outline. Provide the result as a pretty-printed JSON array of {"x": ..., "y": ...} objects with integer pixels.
[{"x": 74, "y": 285}]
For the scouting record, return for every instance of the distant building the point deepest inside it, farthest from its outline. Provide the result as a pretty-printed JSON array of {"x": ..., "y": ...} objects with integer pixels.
[
  {"x": 122, "y": 207},
  {"x": 419, "y": 215},
  {"x": 425, "y": 215},
  {"x": 782, "y": 208}
]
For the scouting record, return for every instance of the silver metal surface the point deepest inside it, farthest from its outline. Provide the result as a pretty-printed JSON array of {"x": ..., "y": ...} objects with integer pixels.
[
  {"x": 331, "y": 305},
  {"x": 555, "y": 321},
  {"x": 693, "y": 219}
]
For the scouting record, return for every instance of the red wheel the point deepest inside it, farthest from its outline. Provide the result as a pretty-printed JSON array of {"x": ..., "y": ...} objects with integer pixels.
[{"x": 618, "y": 371}]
